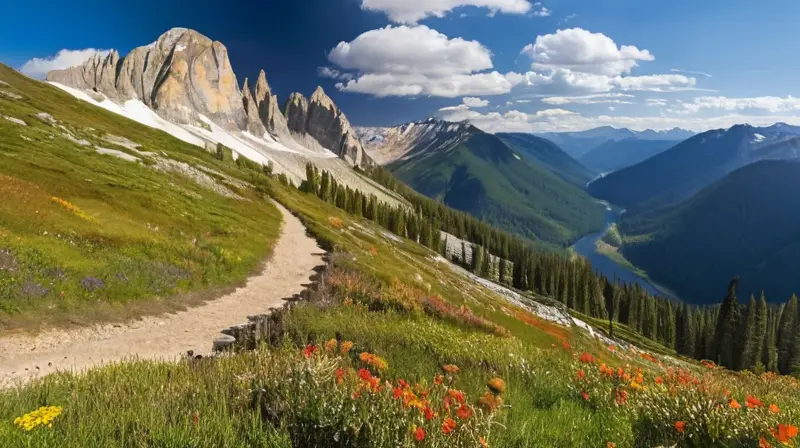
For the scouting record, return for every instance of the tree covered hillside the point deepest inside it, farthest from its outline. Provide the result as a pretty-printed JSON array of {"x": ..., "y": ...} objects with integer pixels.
[{"x": 747, "y": 224}]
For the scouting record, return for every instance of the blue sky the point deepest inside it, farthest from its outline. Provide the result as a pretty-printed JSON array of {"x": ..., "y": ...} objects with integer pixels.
[{"x": 522, "y": 65}]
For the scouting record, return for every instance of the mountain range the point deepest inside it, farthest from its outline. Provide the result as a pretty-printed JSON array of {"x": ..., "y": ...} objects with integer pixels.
[
  {"x": 184, "y": 83},
  {"x": 745, "y": 224},
  {"x": 688, "y": 167},
  {"x": 493, "y": 178}
]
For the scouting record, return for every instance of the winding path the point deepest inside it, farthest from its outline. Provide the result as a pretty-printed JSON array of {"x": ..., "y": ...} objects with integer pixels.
[{"x": 169, "y": 336}]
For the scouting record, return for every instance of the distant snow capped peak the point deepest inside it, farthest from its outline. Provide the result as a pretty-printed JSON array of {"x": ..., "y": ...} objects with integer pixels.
[{"x": 387, "y": 144}]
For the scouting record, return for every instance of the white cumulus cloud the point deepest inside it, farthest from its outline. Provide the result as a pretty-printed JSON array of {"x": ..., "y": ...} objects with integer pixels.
[
  {"x": 471, "y": 101},
  {"x": 601, "y": 98},
  {"x": 772, "y": 104},
  {"x": 38, "y": 67},
  {"x": 412, "y": 11},
  {"x": 417, "y": 60}
]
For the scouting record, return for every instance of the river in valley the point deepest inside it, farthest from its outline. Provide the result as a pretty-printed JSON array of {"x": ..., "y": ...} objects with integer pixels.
[{"x": 587, "y": 247}]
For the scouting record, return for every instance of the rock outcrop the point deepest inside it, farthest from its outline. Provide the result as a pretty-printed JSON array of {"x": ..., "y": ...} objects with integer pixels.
[
  {"x": 320, "y": 119},
  {"x": 185, "y": 76},
  {"x": 269, "y": 110}
]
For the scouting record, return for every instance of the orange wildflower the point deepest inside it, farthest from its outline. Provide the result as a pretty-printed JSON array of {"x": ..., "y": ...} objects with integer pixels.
[
  {"x": 786, "y": 432},
  {"x": 397, "y": 392},
  {"x": 309, "y": 350},
  {"x": 621, "y": 396},
  {"x": 456, "y": 395},
  {"x": 339, "y": 376},
  {"x": 611, "y": 445},
  {"x": 419, "y": 434},
  {"x": 762, "y": 443},
  {"x": 346, "y": 346},
  {"x": 464, "y": 412},
  {"x": 774, "y": 409},
  {"x": 753, "y": 402},
  {"x": 451, "y": 368},
  {"x": 587, "y": 357},
  {"x": 612, "y": 348},
  {"x": 680, "y": 426},
  {"x": 497, "y": 385},
  {"x": 490, "y": 402},
  {"x": 734, "y": 404},
  {"x": 330, "y": 345},
  {"x": 373, "y": 360},
  {"x": 428, "y": 412},
  {"x": 483, "y": 443},
  {"x": 659, "y": 380},
  {"x": 448, "y": 426},
  {"x": 580, "y": 374},
  {"x": 438, "y": 379}
]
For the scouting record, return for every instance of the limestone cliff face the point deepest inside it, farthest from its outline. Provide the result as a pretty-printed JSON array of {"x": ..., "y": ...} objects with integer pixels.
[
  {"x": 184, "y": 75},
  {"x": 320, "y": 119},
  {"x": 269, "y": 110},
  {"x": 181, "y": 75}
]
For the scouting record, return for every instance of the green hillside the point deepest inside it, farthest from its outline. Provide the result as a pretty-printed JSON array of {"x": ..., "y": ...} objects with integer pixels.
[
  {"x": 484, "y": 177},
  {"x": 746, "y": 224},
  {"x": 547, "y": 154},
  {"x": 81, "y": 230}
]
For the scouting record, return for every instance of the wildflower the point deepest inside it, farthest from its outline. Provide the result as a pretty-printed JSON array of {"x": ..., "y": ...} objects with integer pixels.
[
  {"x": 43, "y": 416},
  {"x": 438, "y": 379},
  {"x": 374, "y": 384},
  {"x": 611, "y": 445},
  {"x": 621, "y": 396},
  {"x": 587, "y": 358},
  {"x": 490, "y": 402},
  {"x": 428, "y": 413},
  {"x": 330, "y": 345},
  {"x": 419, "y": 434},
  {"x": 786, "y": 432},
  {"x": 195, "y": 418},
  {"x": 580, "y": 374},
  {"x": 346, "y": 346},
  {"x": 451, "y": 368},
  {"x": 464, "y": 412},
  {"x": 753, "y": 402},
  {"x": 774, "y": 409},
  {"x": 397, "y": 392},
  {"x": 456, "y": 395},
  {"x": 483, "y": 443},
  {"x": 585, "y": 395},
  {"x": 309, "y": 350},
  {"x": 659, "y": 380},
  {"x": 448, "y": 426},
  {"x": 373, "y": 360},
  {"x": 364, "y": 374},
  {"x": 565, "y": 344},
  {"x": 734, "y": 404},
  {"x": 497, "y": 385},
  {"x": 762, "y": 443},
  {"x": 612, "y": 348},
  {"x": 356, "y": 394},
  {"x": 339, "y": 373},
  {"x": 680, "y": 426}
]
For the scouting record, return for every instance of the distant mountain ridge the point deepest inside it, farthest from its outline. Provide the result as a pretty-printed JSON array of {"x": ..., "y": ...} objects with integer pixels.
[
  {"x": 578, "y": 143},
  {"x": 745, "y": 224},
  {"x": 477, "y": 172},
  {"x": 683, "y": 170},
  {"x": 547, "y": 154}
]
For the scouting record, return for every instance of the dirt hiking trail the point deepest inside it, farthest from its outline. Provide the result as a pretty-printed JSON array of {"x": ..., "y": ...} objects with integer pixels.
[{"x": 168, "y": 336}]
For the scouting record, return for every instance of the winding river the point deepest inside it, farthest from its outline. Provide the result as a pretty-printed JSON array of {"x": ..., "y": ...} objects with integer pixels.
[{"x": 587, "y": 247}]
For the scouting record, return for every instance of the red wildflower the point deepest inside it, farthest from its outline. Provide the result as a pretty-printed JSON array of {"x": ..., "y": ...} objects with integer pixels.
[
  {"x": 456, "y": 395},
  {"x": 680, "y": 426},
  {"x": 580, "y": 374},
  {"x": 419, "y": 434},
  {"x": 774, "y": 409},
  {"x": 464, "y": 412},
  {"x": 734, "y": 404},
  {"x": 659, "y": 380},
  {"x": 585, "y": 396},
  {"x": 622, "y": 396},
  {"x": 448, "y": 426},
  {"x": 374, "y": 384},
  {"x": 364, "y": 374},
  {"x": 397, "y": 392},
  {"x": 428, "y": 413},
  {"x": 587, "y": 358},
  {"x": 565, "y": 344},
  {"x": 309, "y": 350},
  {"x": 438, "y": 379},
  {"x": 753, "y": 402},
  {"x": 339, "y": 376},
  {"x": 762, "y": 443}
]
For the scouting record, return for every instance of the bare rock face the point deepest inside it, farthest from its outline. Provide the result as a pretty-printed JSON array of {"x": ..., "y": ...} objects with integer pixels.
[
  {"x": 268, "y": 109},
  {"x": 254, "y": 124},
  {"x": 181, "y": 76},
  {"x": 322, "y": 120}
]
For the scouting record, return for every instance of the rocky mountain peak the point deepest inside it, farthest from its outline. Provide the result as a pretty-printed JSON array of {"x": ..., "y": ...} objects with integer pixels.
[{"x": 254, "y": 124}]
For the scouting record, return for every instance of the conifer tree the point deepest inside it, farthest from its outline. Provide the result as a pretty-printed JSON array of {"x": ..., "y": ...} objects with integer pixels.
[
  {"x": 785, "y": 334},
  {"x": 687, "y": 336},
  {"x": 727, "y": 326}
]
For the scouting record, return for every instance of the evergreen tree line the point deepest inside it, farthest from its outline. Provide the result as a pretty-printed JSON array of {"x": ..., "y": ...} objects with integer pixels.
[{"x": 754, "y": 336}]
